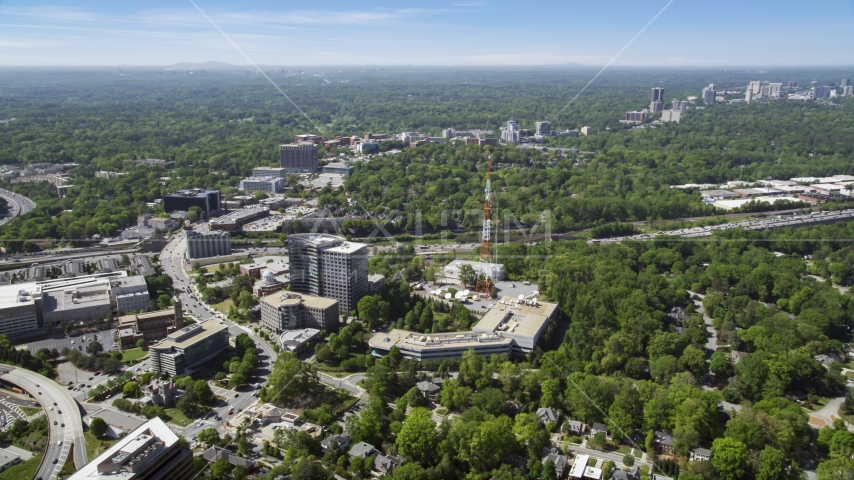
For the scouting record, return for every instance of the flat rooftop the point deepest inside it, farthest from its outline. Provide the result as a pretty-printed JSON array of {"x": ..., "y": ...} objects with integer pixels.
[
  {"x": 191, "y": 334},
  {"x": 13, "y": 295},
  {"x": 298, "y": 336},
  {"x": 423, "y": 341},
  {"x": 513, "y": 316},
  {"x": 290, "y": 298},
  {"x": 129, "y": 444}
]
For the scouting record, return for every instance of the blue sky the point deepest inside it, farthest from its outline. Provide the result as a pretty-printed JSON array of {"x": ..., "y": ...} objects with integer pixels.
[{"x": 453, "y": 32}]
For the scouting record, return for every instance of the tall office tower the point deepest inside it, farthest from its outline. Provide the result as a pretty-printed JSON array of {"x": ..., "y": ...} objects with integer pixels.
[
  {"x": 709, "y": 94},
  {"x": 845, "y": 82},
  {"x": 755, "y": 86},
  {"x": 449, "y": 133},
  {"x": 511, "y": 133},
  {"x": 775, "y": 89},
  {"x": 847, "y": 91},
  {"x": 298, "y": 158},
  {"x": 793, "y": 84},
  {"x": 544, "y": 128},
  {"x": 151, "y": 452},
  {"x": 748, "y": 95},
  {"x": 820, "y": 92},
  {"x": 656, "y": 103},
  {"x": 329, "y": 266},
  {"x": 210, "y": 244}
]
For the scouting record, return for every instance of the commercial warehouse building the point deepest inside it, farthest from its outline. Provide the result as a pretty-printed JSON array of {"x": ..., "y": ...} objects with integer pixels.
[
  {"x": 188, "y": 347},
  {"x": 151, "y": 452},
  {"x": 283, "y": 311},
  {"x": 513, "y": 326}
]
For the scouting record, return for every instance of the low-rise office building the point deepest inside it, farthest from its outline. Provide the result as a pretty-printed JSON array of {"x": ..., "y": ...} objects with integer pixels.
[
  {"x": 205, "y": 245},
  {"x": 208, "y": 200},
  {"x": 151, "y": 452},
  {"x": 290, "y": 311},
  {"x": 130, "y": 293},
  {"x": 261, "y": 172},
  {"x": 151, "y": 326},
  {"x": 262, "y": 184},
  {"x": 338, "y": 168},
  {"x": 188, "y": 347},
  {"x": 20, "y": 309},
  {"x": 296, "y": 341},
  {"x": 511, "y": 327}
]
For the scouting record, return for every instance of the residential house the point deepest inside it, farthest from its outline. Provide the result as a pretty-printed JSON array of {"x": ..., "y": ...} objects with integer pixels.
[
  {"x": 663, "y": 442},
  {"x": 559, "y": 461},
  {"x": 428, "y": 389},
  {"x": 600, "y": 428},
  {"x": 548, "y": 414},
  {"x": 574, "y": 427},
  {"x": 632, "y": 474},
  {"x": 215, "y": 453},
  {"x": 343, "y": 441},
  {"x": 737, "y": 356},
  {"x": 656, "y": 476},
  {"x": 362, "y": 450},
  {"x": 384, "y": 465},
  {"x": 826, "y": 360},
  {"x": 700, "y": 455}
]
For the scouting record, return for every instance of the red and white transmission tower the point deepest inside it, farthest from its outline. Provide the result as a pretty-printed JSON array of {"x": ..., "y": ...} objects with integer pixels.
[{"x": 484, "y": 285}]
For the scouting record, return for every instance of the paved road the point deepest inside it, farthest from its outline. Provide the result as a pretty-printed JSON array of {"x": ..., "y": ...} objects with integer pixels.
[
  {"x": 18, "y": 205},
  {"x": 60, "y": 408},
  {"x": 346, "y": 383}
]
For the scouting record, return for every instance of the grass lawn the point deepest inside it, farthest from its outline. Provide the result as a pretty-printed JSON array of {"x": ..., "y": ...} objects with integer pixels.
[
  {"x": 177, "y": 417},
  {"x": 30, "y": 411},
  {"x": 625, "y": 449},
  {"x": 23, "y": 470},
  {"x": 223, "y": 306},
  {"x": 133, "y": 354},
  {"x": 94, "y": 446}
]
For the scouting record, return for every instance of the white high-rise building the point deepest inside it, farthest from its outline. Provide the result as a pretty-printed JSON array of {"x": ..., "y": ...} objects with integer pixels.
[
  {"x": 511, "y": 133},
  {"x": 748, "y": 95},
  {"x": 449, "y": 133},
  {"x": 847, "y": 91},
  {"x": 329, "y": 266},
  {"x": 756, "y": 87},
  {"x": 775, "y": 89},
  {"x": 709, "y": 94}
]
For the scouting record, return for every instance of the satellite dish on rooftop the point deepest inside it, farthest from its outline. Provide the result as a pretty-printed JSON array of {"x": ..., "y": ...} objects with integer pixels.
[
  {"x": 521, "y": 296},
  {"x": 466, "y": 292},
  {"x": 447, "y": 296}
]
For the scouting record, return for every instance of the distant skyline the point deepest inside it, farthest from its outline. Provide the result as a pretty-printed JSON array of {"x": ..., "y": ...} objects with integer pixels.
[{"x": 445, "y": 33}]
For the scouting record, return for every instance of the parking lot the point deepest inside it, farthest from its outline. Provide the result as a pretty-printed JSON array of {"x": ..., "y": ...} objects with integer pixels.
[{"x": 78, "y": 342}]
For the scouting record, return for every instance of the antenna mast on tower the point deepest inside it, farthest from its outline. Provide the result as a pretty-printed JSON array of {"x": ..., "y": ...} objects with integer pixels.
[{"x": 486, "y": 237}]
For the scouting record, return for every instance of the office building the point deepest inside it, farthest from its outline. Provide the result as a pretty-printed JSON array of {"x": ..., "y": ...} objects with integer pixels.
[
  {"x": 262, "y": 184},
  {"x": 748, "y": 95},
  {"x": 296, "y": 341},
  {"x": 511, "y": 327},
  {"x": 495, "y": 271},
  {"x": 130, "y": 293},
  {"x": 449, "y": 133},
  {"x": 709, "y": 94},
  {"x": 338, "y": 169},
  {"x": 261, "y": 172},
  {"x": 847, "y": 91},
  {"x": 189, "y": 347},
  {"x": 635, "y": 117},
  {"x": 164, "y": 224},
  {"x": 268, "y": 285},
  {"x": 151, "y": 452},
  {"x": 511, "y": 133},
  {"x": 375, "y": 283},
  {"x": 793, "y": 84},
  {"x": 329, "y": 266},
  {"x": 543, "y": 128},
  {"x": 284, "y": 311},
  {"x": 813, "y": 84},
  {"x": 845, "y": 82},
  {"x": 20, "y": 309},
  {"x": 680, "y": 106},
  {"x": 755, "y": 87},
  {"x": 298, "y": 158},
  {"x": 657, "y": 100},
  {"x": 820, "y": 92},
  {"x": 775, "y": 90},
  {"x": 210, "y": 244},
  {"x": 586, "y": 131},
  {"x": 151, "y": 326},
  {"x": 671, "y": 116},
  {"x": 208, "y": 200}
]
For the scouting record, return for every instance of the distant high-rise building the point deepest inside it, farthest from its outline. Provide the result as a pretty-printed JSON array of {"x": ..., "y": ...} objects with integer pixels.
[
  {"x": 543, "y": 128},
  {"x": 709, "y": 94},
  {"x": 680, "y": 106},
  {"x": 813, "y": 84},
  {"x": 511, "y": 133},
  {"x": 847, "y": 91},
  {"x": 748, "y": 95},
  {"x": 449, "y": 133},
  {"x": 586, "y": 131},
  {"x": 329, "y": 266},
  {"x": 845, "y": 82},
  {"x": 775, "y": 89},
  {"x": 656, "y": 103},
  {"x": 636, "y": 116},
  {"x": 793, "y": 84},
  {"x": 755, "y": 86},
  {"x": 209, "y": 244},
  {"x": 298, "y": 158},
  {"x": 820, "y": 92}
]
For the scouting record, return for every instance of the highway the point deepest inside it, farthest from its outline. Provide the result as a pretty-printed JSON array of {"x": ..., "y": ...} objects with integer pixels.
[
  {"x": 63, "y": 415},
  {"x": 18, "y": 205}
]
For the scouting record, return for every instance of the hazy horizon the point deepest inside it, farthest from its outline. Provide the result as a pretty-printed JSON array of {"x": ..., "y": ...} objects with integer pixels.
[{"x": 454, "y": 33}]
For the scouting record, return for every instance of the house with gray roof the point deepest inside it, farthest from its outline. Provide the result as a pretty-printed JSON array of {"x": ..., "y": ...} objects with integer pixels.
[
  {"x": 384, "y": 465},
  {"x": 215, "y": 453},
  {"x": 548, "y": 414},
  {"x": 700, "y": 455},
  {"x": 632, "y": 474},
  {"x": 362, "y": 450},
  {"x": 343, "y": 441}
]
